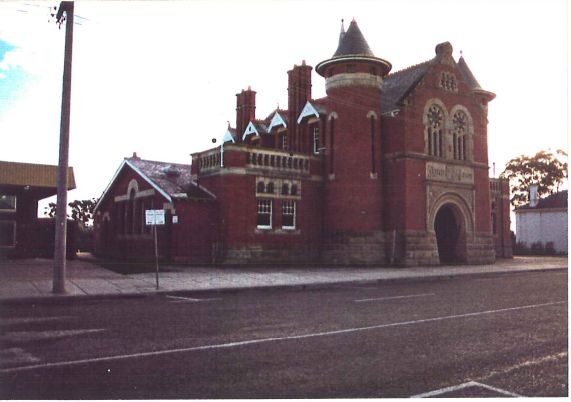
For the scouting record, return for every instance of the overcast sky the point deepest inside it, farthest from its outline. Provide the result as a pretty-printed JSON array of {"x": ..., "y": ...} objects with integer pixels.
[{"x": 160, "y": 78}]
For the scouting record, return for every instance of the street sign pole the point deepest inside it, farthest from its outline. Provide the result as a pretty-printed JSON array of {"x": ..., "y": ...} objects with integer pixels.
[
  {"x": 156, "y": 257},
  {"x": 155, "y": 217}
]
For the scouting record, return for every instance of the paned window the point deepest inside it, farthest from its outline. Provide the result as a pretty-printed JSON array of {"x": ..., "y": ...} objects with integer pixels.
[
  {"x": 284, "y": 142},
  {"x": 448, "y": 82},
  {"x": 315, "y": 140},
  {"x": 459, "y": 123},
  {"x": 264, "y": 214},
  {"x": 7, "y": 233},
  {"x": 435, "y": 120},
  {"x": 7, "y": 202},
  {"x": 288, "y": 214}
]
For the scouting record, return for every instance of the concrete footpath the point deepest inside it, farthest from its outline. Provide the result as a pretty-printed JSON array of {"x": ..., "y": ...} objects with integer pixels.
[{"x": 32, "y": 279}]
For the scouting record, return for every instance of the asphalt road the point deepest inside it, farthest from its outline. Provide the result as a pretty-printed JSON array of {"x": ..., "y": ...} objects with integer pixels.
[{"x": 464, "y": 337}]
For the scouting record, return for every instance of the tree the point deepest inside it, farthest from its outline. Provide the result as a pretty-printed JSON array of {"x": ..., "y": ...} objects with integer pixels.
[
  {"x": 546, "y": 169},
  {"x": 81, "y": 210}
]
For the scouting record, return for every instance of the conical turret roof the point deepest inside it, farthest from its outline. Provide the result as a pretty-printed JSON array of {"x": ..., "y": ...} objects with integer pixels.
[
  {"x": 353, "y": 47},
  {"x": 353, "y": 42}
]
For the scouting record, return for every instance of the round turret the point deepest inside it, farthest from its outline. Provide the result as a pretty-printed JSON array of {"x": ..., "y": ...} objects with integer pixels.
[{"x": 353, "y": 63}]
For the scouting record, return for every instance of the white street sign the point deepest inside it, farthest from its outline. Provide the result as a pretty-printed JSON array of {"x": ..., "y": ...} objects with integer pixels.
[{"x": 155, "y": 216}]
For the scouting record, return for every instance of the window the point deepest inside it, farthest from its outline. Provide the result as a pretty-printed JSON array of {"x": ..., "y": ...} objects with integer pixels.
[
  {"x": 7, "y": 233},
  {"x": 448, "y": 82},
  {"x": 264, "y": 214},
  {"x": 293, "y": 190},
  {"x": 459, "y": 122},
  {"x": 435, "y": 120},
  {"x": 7, "y": 202},
  {"x": 288, "y": 214},
  {"x": 261, "y": 187},
  {"x": 285, "y": 189},
  {"x": 316, "y": 140},
  {"x": 270, "y": 188},
  {"x": 284, "y": 142}
]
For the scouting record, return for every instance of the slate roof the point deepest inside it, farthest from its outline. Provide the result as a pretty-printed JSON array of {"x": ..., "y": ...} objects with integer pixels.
[
  {"x": 353, "y": 42},
  {"x": 32, "y": 174},
  {"x": 467, "y": 75},
  {"x": 398, "y": 85},
  {"x": 557, "y": 200},
  {"x": 172, "y": 180}
]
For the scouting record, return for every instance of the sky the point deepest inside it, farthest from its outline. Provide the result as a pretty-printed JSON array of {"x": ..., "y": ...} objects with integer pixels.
[{"x": 160, "y": 78}]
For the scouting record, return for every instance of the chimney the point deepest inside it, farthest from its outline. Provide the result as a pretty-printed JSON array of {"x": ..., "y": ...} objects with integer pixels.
[
  {"x": 299, "y": 92},
  {"x": 533, "y": 195},
  {"x": 245, "y": 111}
]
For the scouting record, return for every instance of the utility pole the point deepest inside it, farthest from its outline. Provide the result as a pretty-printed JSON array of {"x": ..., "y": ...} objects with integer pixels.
[{"x": 62, "y": 179}]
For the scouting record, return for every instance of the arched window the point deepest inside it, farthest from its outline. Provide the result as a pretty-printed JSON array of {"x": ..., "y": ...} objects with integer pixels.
[
  {"x": 294, "y": 189},
  {"x": 261, "y": 188},
  {"x": 131, "y": 213},
  {"x": 285, "y": 189},
  {"x": 459, "y": 131},
  {"x": 270, "y": 188},
  {"x": 435, "y": 130}
]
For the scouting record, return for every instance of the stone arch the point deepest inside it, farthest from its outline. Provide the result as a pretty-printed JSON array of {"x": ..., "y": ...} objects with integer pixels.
[
  {"x": 459, "y": 203},
  {"x": 451, "y": 222},
  {"x": 372, "y": 114}
]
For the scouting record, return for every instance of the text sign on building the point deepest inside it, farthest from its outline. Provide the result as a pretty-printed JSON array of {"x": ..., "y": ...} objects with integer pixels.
[
  {"x": 155, "y": 216},
  {"x": 449, "y": 173}
]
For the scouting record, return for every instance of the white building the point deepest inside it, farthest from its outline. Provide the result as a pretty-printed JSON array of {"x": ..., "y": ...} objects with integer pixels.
[{"x": 545, "y": 222}]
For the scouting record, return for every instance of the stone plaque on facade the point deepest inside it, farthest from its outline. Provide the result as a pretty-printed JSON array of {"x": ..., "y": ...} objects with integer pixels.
[{"x": 449, "y": 173}]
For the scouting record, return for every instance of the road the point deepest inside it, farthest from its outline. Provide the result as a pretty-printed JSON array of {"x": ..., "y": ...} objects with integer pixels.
[{"x": 463, "y": 337}]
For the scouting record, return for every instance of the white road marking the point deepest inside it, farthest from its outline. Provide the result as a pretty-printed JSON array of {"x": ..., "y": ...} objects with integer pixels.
[
  {"x": 16, "y": 356},
  {"x": 276, "y": 339},
  {"x": 188, "y": 299},
  {"x": 394, "y": 297},
  {"x": 463, "y": 386},
  {"x": 27, "y": 336},
  {"x": 31, "y": 320},
  {"x": 527, "y": 363}
]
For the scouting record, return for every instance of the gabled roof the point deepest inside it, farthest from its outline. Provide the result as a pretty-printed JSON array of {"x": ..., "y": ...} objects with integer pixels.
[
  {"x": 557, "y": 200},
  {"x": 32, "y": 174},
  {"x": 171, "y": 180},
  {"x": 257, "y": 127},
  {"x": 311, "y": 108},
  {"x": 399, "y": 84},
  {"x": 279, "y": 118},
  {"x": 229, "y": 135}
]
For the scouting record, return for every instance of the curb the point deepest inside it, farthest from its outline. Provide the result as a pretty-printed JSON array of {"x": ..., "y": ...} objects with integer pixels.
[{"x": 64, "y": 299}]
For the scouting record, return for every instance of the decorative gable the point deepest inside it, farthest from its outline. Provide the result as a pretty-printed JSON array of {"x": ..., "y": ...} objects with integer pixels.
[
  {"x": 277, "y": 120},
  {"x": 308, "y": 110}
]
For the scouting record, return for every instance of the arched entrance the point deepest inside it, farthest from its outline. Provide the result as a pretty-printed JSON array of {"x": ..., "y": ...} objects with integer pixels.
[{"x": 450, "y": 235}]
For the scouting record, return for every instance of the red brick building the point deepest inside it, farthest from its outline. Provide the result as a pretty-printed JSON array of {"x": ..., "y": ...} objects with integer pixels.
[
  {"x": 387, "y": 168},
  {"x": 22, "y": 233}
]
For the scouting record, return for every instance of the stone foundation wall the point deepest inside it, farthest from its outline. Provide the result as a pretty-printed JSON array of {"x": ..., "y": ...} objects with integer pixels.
[
  {"x": 354, "y": 249},
  {"x": 257, "y": 254},
  {"x": 414, "y": 248},
  {"x": 481, "y": 249}
]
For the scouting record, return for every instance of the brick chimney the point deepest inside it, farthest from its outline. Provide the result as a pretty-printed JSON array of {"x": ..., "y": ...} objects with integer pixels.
[
  {"x": 245, "y": 111},
  {"x": 299, "y": 92}
]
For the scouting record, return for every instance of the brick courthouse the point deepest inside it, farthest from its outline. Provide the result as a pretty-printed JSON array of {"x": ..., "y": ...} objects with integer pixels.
[{"x": 385, "y": 169}]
